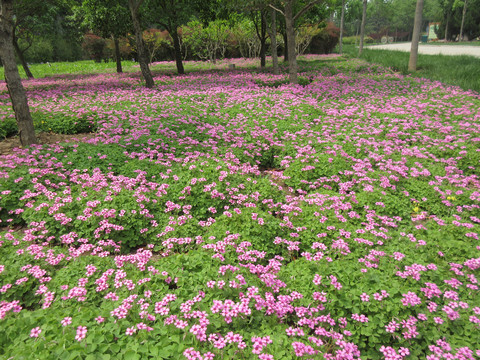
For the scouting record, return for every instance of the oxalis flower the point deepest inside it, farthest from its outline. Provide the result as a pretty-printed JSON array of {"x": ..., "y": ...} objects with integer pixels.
[
  {"x": 81, "y": 333},
  {"x": 66, "y": 321},
  {"x": 35, "y": 332}
]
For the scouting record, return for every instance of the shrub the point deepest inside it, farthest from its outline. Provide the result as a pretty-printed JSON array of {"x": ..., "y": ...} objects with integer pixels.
[
  {"x": 65, "y": 49},
  {"x": 94, "y": 47},
  {"x": 158, "y": 44},
  {"x": 325, "y": 40},
  {"x": 8, "y": 127},
  {"x": 304, "y": 36},
  {"x": 247, "y": 39},
  {"x": 60, "y": 124},
  {"x": 206, "y": 43},
  {"x": 126, "y": 48},
  {"x": 41, "y": 51},
  {"x": 352, "y": 40}
]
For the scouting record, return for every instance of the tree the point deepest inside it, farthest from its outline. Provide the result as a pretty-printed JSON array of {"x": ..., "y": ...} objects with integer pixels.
[
  {"x": 272, "y": 33},
  {"x": 380, "y": 15},
  {"x": 12, "y": 77},
  {"x": 342, "y": 18},
  {"x": 290, "y": 19},
  {"x": 215, "y": 37},
  {"x": 464, "y": 12},
  {"x": 27, "y": 35},
  {"x": 60, "y": 30},
  {"x": 208, "y": 43},
  {"x": 447, "y": 6},
  {"x": 156, "y": 41},
  {"x": 134, "y": 6},
  {"x": 401, "y": 16},
  {"x": 353, "y": 15},
  {"x": 30, "y": 18},
  {"x": 304, "y": 36},
  {"x": 246, "y": 36},
  {"x": 260, "y": 21},
  {"x": 452, "y": 13},
  {"x": 257, "y": 11},
  {"x": 412, "y": 63},
  {"x": 362, "y": 27},
  {"x": 108, "y": 18},
  {"x": 171, "y": 15}
]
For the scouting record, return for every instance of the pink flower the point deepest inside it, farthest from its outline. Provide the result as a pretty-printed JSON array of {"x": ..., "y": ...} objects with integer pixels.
[
  {"x": 317, "y": 280},
  {"x": 35, "y": 332},
  {"x": 66, "y": 321},
  {"x": 364, "y": 297},
  {"x": 130, "y": 331},
  {"x": 411, "y": 299},
  {"x": 208, "y": 356},
  {"x": 265, "y": 357},
  {"x": 81, "y": 333}
]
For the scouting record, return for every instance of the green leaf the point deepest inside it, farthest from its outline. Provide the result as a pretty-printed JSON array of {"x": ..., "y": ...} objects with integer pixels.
[
  {"x": 131, "y": 355},
  {"x": 163, "y": 354},
  {"x": 153, "y": 351}
]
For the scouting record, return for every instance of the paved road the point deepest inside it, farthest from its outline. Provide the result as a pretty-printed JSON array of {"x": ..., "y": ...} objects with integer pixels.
[{"x": 432, "y": 49}]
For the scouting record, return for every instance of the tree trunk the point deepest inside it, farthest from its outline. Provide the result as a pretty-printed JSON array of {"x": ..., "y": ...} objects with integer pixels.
[
  {"x": 263, "y": 41},
  {"x": 357, "y": 31},
  {"x": 141, "y": 52},
  {"x": 362, "y": 27},
  {"x": 19, "y": 53},
  {"x": 342, "y": 17},
  {"x": 118, "y": 58},
  {"x": 290, "y": 30},
  {"x": 285, "y": 47},
  {"x": 273, "y": 40},
  {"x": 177, "y": 50},
  {"x": 446, "y": 28},
  {"x": 263, "y": 53},
  {"x": 412, "y": 63},
  {"x": 464, "y": 12},
  {"x": 14, "y": 83}
]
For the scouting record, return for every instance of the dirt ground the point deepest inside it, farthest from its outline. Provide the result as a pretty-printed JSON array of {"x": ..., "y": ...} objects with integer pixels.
[{"x": 8, "y": 145}]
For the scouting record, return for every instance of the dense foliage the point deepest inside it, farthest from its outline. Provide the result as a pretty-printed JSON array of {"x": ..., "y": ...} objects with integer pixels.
[{"x": 227, "y": 214}]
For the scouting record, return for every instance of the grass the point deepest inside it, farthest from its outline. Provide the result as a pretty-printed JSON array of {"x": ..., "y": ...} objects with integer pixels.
[
  {"x": 462, "y": 71},
  {"x": 461, "y": 43},
  {"x": 89, "y": 67},
  {"x": 79, "y": 67}
]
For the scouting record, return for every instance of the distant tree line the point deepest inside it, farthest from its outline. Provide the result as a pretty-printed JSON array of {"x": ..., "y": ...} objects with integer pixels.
[
  {"x": 215, "y": 41},
  {"x": 394, "y": 18}
]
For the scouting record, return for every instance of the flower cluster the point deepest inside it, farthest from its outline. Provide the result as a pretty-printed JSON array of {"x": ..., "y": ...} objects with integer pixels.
[{"x": 218, "y": 218}]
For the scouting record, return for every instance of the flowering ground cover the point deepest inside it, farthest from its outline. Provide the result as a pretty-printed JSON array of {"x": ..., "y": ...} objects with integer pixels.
[{"x": 229, "y": 215}]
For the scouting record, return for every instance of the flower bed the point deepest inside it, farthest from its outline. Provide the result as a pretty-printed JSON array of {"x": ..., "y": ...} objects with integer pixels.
[{"x": 217, "y": 216}]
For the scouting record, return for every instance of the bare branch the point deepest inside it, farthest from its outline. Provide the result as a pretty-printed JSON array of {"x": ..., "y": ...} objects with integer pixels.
[
  {"x": 306, "y": 8},
  {"x": 278, "y": 10}
]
